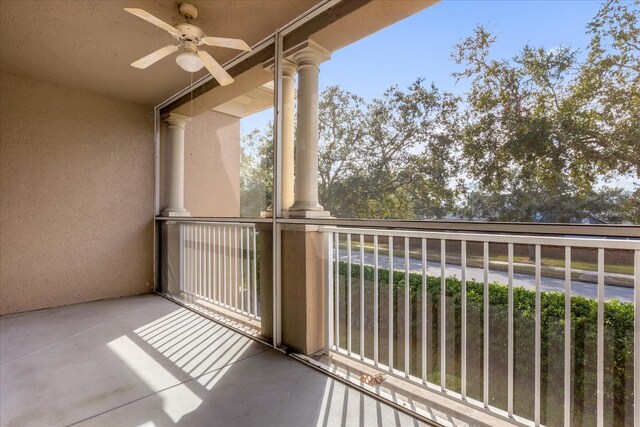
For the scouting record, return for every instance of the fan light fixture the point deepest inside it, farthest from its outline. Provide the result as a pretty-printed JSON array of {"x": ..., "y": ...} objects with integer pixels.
[{"x": 189, "y": 61}]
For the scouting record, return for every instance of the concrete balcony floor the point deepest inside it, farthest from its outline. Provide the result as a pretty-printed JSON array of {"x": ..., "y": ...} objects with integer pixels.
[{"x": 145, "y": 361}]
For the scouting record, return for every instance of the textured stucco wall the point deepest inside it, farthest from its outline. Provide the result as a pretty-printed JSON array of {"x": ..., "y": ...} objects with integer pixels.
[
  {"x": 211, "y": 165},
  {"x": 76, "y": 196}
]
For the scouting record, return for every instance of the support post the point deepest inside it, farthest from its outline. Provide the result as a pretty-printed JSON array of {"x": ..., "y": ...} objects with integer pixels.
[
  {"x": 308, "y": 61},
  {"x": 175, "y": 165}
]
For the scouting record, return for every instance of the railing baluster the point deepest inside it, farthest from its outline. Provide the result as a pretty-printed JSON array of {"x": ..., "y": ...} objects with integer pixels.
[
  {"x": 443, "y": 315},
  {"x": 212, "y": 257},
  {"x": 375, "y": 300},
  {"x": 205, "y": 256},
  {"x": 510, "y": 330},
  {"x": 227, "y": 257},
  {"x": 225, "y": 266},
  {"x": 205, "y": 262},
  {"x": 337, "y": 293},
  {"x": 537, "y": 399},
  {"x": 198, "y": 259},
  {"x": 247, "y": 256},
  {"x": 636, "y": 336},
  {"x": 329, "y": 301},
  {"x": 202, "y": 262},
  {"x": 567, "y": 335},
  {"x": 362, "y": 296},
  {"x": 485, "y": 361},
  {"x": 234, "y": 265},
  {"x": 349, "y": 295},
  {"x": 254, "y": 262},
  {"x": 600, "y": 380},
  {"x": 241, "y": 262},
  {"x": 191, "y": 267},
  {"x": 183, "y": 271},
  {"x": 219, "y": 261},
  {"x": 212, "y": 260},
  {"x": 390, "y": 280},
  {"x": 230, "y": 259},
  {"x": 463, "y": 350},
  {"x": 194, "y": 257},
  {"x": 424, "y": 310},
  {"x": 187, "y": 261},
  {"x": 406, "y": 307}
]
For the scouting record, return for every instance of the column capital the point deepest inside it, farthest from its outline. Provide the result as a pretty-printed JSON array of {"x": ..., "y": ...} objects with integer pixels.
[
  {"x": 309, "y": 53},
  {"x": 288, "y": 67},
  {"x": 177, "y": 120}
]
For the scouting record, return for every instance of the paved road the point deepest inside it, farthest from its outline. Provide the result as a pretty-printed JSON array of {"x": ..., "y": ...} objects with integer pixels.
[{"x": 585, "y": 289}]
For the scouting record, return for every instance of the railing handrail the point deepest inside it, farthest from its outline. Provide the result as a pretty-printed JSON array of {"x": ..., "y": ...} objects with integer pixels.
[
  {"x": 586, "y": 242},
  {"x": 604, "y": 230},
  {"x": 557, "y": 229},
  {"x": 218, "y": 220}
]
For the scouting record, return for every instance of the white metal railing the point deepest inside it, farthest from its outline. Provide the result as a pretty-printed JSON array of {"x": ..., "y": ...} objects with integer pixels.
[
  {"x": 359, "y": 257},
  {"x": 218, "y": 265}
]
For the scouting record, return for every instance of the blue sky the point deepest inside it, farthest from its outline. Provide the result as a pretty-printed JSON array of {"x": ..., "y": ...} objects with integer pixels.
[{"x": 420, "y": 45}]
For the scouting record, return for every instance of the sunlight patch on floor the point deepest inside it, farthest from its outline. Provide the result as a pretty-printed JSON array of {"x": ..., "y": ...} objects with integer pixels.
[{"x": 179, "y": 400}]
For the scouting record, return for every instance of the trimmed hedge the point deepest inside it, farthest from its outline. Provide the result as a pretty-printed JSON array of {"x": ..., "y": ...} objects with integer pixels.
[{"x": 584, "y": 314}]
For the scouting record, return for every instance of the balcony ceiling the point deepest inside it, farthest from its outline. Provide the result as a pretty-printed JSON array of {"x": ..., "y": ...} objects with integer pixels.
[{"x": 90, "y": 44}]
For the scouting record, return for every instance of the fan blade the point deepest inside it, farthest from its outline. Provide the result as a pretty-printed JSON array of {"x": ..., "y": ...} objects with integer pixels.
[
  {"x": 222, "y": 42},
  {"x": 152, "y": 19},
  {"x": 215, "y": 69},
  {"x": 154, "y": 57}
]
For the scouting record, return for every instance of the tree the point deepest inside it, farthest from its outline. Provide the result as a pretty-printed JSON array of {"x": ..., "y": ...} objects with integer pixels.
[
  {"x": 341, "y": 137},
  {"x": 390, "y": 158},
  {"x": 256, "y": 171},
  {"x": 525, "y": 202},
  {"x": 544, "y": 122}
]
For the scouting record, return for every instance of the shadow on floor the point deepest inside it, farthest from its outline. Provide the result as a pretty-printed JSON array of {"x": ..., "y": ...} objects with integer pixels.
[{"x": 145, "y": 361}]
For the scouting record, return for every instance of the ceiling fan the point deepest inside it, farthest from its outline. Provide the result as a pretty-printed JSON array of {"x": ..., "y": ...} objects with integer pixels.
[{"x": 190, "y": 37}]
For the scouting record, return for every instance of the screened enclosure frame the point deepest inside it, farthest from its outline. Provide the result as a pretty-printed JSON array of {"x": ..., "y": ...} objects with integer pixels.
[{"x": 277, "y": 43}]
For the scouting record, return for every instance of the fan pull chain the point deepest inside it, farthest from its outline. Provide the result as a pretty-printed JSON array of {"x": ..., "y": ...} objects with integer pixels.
[{"x": 191, "y": 107}]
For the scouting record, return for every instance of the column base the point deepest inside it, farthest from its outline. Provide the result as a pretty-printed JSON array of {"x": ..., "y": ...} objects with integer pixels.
[
  {"x": 269, "y": 214},
  {"x": 309, "y": 214},
  {"x": 176, "y": 213}
]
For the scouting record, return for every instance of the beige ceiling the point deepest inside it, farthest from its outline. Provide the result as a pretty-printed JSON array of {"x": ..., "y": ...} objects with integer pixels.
[{"x": 89, "y": 44}]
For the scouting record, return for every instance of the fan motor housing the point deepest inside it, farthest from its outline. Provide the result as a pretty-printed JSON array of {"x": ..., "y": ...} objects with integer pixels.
[{"x": 190, "y": 32}]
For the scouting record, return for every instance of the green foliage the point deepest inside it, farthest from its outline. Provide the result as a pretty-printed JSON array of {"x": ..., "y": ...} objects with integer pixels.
[
  {"x": 256, "y": 171},
  {"x": 619, "y": 319},
  {"x": 531, "y": 201},
  {"x": 389, "y": 158},
  {"x": 540, "y": 129}
]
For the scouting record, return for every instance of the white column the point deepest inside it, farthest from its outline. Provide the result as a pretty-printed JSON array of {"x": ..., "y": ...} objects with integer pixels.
[
  {"x": 175, "y": 165},
  {"x": 288, "y": 136},
  {"x": 308, "y": 62}
]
